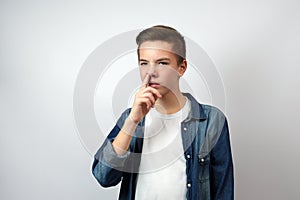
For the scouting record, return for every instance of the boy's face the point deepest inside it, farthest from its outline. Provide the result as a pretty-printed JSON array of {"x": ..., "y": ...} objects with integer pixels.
[{"x": 157, "y": 59}]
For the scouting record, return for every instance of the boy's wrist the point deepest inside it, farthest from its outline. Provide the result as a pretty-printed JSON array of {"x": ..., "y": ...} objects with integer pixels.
[{"x": 129, "y": 126}]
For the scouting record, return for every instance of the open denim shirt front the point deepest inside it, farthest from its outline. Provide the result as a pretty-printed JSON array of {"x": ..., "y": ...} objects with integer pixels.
[{"x": 206, "y": 143}]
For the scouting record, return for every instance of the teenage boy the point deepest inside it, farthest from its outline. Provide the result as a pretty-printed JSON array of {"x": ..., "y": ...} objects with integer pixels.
[{"x": 167, "y": 146}]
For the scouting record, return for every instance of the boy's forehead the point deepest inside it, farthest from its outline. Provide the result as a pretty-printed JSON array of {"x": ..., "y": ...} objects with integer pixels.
[{"x": 156, "y": 45}]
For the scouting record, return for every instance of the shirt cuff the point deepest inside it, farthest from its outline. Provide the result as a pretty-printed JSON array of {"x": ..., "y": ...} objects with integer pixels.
[{"x": 112, "y": 158}]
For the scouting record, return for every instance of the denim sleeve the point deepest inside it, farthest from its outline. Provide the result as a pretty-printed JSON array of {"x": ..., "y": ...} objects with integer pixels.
[
  {"x": 222, "y": 181},
  {"x": 107, "y": 165}
]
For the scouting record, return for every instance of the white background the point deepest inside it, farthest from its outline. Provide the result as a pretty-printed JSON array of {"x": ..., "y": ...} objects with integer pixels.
[{"x": 254, "y": 44}]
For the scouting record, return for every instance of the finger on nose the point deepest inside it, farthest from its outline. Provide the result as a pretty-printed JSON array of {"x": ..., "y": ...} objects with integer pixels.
[{"x": 146, "y": 80}]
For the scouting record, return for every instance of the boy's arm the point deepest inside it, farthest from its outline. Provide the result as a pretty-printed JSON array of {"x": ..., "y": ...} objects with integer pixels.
[
  {"x": 144, "y": 99},
  {"x": 110, "y": 158},
  {"x": 107, "y": 165},
  {"x": 222, "y": 181}
]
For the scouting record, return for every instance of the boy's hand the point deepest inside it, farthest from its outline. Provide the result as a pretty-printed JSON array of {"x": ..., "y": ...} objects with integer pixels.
[{"x": 144, "y": 99}]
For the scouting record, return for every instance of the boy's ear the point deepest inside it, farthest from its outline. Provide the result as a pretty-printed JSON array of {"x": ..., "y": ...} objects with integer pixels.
[{"x": 182, "y": 67}]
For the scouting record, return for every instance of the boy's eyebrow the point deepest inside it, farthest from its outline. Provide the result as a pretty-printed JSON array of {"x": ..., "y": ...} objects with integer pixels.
[
  {"x": 160, "y": 59},
  {"x": 144, "y": 60}
]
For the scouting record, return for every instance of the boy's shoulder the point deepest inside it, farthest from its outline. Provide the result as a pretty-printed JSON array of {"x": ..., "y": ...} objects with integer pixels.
[
  {"x": 207, "y": 109},
  {"x": 212, "y": 110}
]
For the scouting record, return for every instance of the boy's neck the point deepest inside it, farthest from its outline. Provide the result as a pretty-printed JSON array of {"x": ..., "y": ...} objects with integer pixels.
[{"x": 170, "y": 103}]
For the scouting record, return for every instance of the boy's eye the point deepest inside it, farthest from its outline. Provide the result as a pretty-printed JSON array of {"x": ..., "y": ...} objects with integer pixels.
[
  {"x": 143, "y": 63},
  {"x": 163, "y": 63}
]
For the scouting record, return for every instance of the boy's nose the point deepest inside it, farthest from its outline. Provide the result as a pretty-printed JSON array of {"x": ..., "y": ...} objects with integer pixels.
[{"x": 152, "y": 71}]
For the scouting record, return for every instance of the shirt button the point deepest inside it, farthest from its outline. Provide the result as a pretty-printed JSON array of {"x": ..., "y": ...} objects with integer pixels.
[
  {"x": 202, "y": 160},
  {"x": 188, "y": 156},
  {"x": 189, "y": 185},
  {"x": 185, "y": 129}
]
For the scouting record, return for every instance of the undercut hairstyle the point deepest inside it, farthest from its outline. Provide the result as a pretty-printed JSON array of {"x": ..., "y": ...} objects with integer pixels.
[{"x": 166, "y": 34}]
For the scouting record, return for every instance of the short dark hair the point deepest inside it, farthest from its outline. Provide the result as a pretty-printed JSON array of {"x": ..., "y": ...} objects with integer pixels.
[{"x": 167, "y": 34}]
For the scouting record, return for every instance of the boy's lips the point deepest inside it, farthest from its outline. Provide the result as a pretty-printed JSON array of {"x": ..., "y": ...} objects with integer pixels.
[{"x": 153, "y": 84}]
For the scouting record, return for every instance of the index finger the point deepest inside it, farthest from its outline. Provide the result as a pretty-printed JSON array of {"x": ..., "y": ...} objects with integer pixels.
[{"x": 146, "y": 80}]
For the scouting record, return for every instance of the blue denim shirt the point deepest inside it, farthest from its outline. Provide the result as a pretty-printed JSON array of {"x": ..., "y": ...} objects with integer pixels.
[{"x": 206, "y": 143}]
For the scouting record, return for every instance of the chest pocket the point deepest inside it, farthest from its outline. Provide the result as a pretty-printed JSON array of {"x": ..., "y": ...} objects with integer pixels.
[{"x": 204, "y": 165}]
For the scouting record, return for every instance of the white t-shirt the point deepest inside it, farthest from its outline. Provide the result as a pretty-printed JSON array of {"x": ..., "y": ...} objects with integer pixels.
[{"x": 162, "y": 173}]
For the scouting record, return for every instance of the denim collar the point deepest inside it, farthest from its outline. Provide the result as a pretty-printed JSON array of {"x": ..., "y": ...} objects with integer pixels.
[{"x": 197, "y": 111}]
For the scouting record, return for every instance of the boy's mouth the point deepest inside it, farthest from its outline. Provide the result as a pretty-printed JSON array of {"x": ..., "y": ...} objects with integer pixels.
[{"x": 153, "y": 84}]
